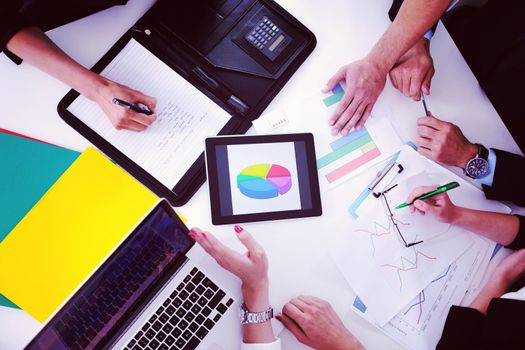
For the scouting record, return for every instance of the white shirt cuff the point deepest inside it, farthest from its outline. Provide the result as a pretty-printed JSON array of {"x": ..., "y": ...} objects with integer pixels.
[
  {"x": 429, "y": 34},
  {"x": 489, "y": 178},
  {"x": 276, "y": 345},
  {"x": 519, "y": 295}
]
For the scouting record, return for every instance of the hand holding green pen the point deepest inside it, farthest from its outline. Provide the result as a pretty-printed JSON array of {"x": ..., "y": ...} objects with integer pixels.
[{"x": 440, "y": 189}]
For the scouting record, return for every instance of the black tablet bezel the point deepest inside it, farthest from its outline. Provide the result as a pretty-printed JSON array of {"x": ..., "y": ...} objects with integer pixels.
[{"x": 213, "y": 182}]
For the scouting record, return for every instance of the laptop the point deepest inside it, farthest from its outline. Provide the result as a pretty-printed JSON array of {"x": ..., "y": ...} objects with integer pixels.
[{"x": 154, "y": 291}]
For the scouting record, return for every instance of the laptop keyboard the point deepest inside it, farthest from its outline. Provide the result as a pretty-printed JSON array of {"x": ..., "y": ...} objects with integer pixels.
[
  {"x": 91, "y": 312},
  {"x": 185, "y": 317}
]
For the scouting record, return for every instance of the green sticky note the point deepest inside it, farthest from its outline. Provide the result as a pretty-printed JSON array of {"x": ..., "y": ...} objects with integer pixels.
[
  {"x": 333, "y": 99},
  {"x": 29, "y": 169}
]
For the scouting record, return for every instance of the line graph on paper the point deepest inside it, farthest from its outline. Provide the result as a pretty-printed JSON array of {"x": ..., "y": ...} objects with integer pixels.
[
  {"x": 420, "y": 324},
  {"x": 408, "y": 264},
  {"x": 424, "y": 306},
  {"x": 418, "y": 305},
  {"x": 385, "y": 236},
  {"x": 379, "y": 231},
  {"x": 385, "y": 274}
]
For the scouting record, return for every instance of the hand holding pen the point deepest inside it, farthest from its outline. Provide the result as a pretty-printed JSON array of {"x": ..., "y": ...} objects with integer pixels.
[
  {"x": 433, "y": 200},
  {"x": 126, "y": 108}
]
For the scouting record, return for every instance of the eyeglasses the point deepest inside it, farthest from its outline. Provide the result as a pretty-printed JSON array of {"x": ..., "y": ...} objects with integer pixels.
[{"x": 393, "y": 220}]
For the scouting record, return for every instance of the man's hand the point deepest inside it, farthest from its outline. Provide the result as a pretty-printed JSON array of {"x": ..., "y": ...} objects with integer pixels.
[
  {"x": 440, "y": 205},
  {"x": 511, "y": 269},
  {"x": 444, "y": 142},
  {"x": 414, "y": 71},
  {"x": 364, "y": 83},
  {"x": 315, "y": 323},
  {"x": 123, "y": 118}
]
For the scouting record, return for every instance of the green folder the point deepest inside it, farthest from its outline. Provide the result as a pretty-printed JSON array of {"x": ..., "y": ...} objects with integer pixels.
[{"x": 28, "y": 169}]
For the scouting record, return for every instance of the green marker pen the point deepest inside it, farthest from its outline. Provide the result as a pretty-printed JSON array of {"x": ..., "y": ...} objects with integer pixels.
[{"x": 440, "y": 189}]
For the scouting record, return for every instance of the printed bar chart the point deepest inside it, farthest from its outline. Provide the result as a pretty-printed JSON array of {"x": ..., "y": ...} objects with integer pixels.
[
  {"x": 353, "y": 150},
  {"x": 337, "y": 95}
]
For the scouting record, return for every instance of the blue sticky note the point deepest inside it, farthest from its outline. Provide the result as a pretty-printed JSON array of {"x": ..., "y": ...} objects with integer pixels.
[
  {"x": 337, "y": 89},
  {"x": 29, "y": 169}
]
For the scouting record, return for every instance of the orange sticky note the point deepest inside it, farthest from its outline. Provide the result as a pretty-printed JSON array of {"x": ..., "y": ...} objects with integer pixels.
[{"x": 68, "y": 233}]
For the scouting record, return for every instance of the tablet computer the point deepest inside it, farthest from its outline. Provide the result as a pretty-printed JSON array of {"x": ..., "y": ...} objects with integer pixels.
[{"x": 264, "y": 177}]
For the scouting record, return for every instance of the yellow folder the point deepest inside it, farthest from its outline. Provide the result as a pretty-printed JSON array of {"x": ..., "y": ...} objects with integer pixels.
[{"x": 77, "y": 223}]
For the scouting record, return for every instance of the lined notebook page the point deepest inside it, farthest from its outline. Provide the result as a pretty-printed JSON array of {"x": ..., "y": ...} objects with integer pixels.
[{"x": 185, "y": 116}]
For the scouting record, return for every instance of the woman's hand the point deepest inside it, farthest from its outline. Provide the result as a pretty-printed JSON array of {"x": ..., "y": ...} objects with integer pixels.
[
  {"x": 439, "y": 205},
  {"x": 251, "y": 268},
  {"x": 120, "y": 117},
  {"x": 314, "y": 323}
]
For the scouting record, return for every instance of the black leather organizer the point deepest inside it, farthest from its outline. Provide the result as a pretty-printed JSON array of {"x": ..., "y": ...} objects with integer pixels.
[{"x": 208, "y": 43}]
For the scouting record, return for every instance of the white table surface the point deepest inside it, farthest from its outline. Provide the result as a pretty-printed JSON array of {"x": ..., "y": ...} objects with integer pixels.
[{"x": 297, "y": 249}]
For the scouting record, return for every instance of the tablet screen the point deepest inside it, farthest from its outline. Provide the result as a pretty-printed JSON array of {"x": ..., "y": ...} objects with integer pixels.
[{"x": 256, "y": 177}]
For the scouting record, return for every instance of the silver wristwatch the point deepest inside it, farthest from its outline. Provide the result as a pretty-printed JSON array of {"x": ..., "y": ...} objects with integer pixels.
[
  {"x": 248, "y": 317},
  {"x": 478, "y": 166}
]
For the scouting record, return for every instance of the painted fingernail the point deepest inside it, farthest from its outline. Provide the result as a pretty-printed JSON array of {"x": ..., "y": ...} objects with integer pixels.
[
  {"x": 238, "y": 229},
  {"x": 192, "y": 234}
]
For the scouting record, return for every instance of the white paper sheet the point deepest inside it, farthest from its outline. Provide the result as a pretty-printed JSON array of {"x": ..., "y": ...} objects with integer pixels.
[
  {"x": 385, "y": 275},
  {"x": 420, "y": 324},
  {"x": 185, "y": 116}
]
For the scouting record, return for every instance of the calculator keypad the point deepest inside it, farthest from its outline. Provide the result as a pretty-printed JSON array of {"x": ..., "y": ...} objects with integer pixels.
[{"x": 263, "y": 33}]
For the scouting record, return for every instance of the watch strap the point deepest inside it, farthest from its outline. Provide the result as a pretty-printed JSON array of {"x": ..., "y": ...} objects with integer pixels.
[
  {"x": 483, "y": 152},
  {"x": 248, "y": 317}
]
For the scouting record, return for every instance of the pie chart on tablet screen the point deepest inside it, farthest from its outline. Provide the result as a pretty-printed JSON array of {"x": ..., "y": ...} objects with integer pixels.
[{"x": 264, "y": 181}]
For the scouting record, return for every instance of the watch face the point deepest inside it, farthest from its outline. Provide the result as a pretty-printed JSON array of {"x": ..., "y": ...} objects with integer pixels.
[{"x": 477, "y": 167}]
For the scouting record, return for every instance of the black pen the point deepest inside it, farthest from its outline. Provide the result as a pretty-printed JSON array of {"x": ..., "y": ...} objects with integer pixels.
[
  {"x": 224, "y": 93},
  {"x": 136, "y": 107},
  {"x": 427, "y": 113}
]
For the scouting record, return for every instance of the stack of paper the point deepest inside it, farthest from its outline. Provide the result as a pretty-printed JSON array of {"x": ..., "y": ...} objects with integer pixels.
[
  {"x": 29, "y": 169},
  {"x": 77, "y": 223},
  {"x": 407, "y": 292}
]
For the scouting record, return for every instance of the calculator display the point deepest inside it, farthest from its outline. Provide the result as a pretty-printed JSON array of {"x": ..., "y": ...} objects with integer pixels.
[
  {"x": 276, "y": 42},
  {"x": 268, "y": 38}
]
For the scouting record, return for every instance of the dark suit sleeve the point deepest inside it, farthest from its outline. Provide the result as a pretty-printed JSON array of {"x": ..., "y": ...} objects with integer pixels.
[
  {"x": 508, "y": 183},
  {"x": 11, "y": 22},
  {"x": 461, "y": 328},
  {"x": 394, "y": 9},
  {"x": 501, "y": 328}
]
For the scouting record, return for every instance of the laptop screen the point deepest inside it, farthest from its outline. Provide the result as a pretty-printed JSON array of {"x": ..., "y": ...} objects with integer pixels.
[{"x": 112, "y": 294}]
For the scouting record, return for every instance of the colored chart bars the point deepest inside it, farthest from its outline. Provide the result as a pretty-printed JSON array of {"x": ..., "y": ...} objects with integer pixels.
[
  {"x": 337, "y": 95},
  {"x": 350, "y": 152}
]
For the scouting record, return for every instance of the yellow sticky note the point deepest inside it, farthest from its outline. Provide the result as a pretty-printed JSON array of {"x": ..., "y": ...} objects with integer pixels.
[{"x": 77, "y": 223}]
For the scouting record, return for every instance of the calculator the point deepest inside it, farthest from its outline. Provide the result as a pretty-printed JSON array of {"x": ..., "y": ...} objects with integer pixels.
[{"x": 268, "y": 38}]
